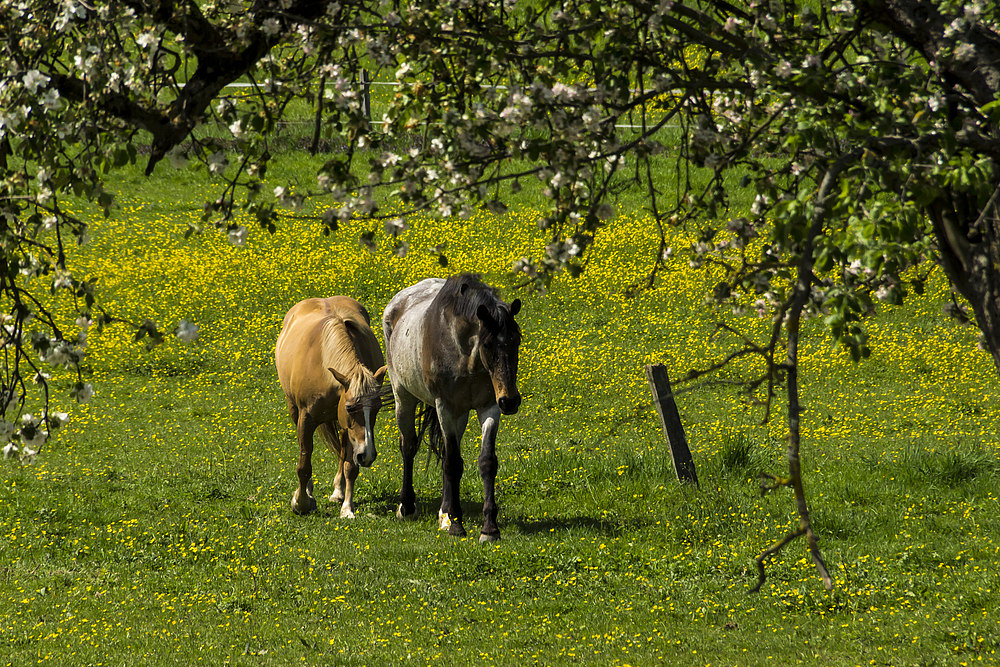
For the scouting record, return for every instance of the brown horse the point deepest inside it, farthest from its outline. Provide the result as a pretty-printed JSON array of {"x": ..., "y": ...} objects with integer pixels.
[
  {"x": 331, "y": 368},
  {"x": 452, "y": 345}
]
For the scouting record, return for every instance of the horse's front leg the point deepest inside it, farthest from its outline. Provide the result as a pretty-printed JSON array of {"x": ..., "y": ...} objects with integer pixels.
[
  {"x": 338, "y": 445},
  {"x": 338, "y": 483},
  {"x": 450, "y": 514},
  {"x": 406, "y": 411},
  {"x": 302, "y": 500},
  {"x": 349, "y": 474},
  {"x": 489, "y": 420}
]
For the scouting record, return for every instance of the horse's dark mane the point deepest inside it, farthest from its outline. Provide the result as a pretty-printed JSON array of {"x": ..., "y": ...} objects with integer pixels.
[{"x": 462, "y": 294}]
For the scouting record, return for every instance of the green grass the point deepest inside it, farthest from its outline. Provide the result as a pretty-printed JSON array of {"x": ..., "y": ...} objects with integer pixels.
[{"x": 156, "y": 528}]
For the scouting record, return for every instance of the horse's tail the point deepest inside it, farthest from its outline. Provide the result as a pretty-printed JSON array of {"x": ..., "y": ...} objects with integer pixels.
[
  {"x": 332, "y": 442},
  {"x": 428, "y": 421}
]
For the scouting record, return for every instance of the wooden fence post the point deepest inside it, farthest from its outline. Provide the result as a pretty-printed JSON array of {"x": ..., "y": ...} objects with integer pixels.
[
  {"x": 366, "y": 97},
  {"x": 670, "y": 420},
  {"x": 318, "y": 121}
]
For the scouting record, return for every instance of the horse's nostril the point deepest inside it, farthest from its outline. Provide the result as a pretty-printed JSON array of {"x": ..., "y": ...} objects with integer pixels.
[{"x": 509, "y": 406}]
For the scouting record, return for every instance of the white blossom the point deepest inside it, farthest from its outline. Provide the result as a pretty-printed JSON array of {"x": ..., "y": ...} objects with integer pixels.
[
  {"x": 762, "y": 307},
  {"x": 563, "y": 251},
  {"x": 33, "y": 80},
  {"x": 526, "y": 266},
  {"x": 58, "y": 419},
  {"x": 271, "y": 27},
  {"x": 83, "y": 392},
  {"x": 63, "y": 280},
  {"x": 845, "y": 7},
  {"x": 395, "y": 225},
  {"x": 50, "y": 100},
  {"x": 187, "y": 332},
  {"x": 238, "y": 236},
  {"x": 759, "y": 203},
  {"x": 965, "y": 51},
  {"x": 146, "y": 39},
  {"x": 217, "y": 162}
]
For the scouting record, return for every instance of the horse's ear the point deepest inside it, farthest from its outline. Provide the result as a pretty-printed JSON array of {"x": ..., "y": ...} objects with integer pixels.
[
  {"x": 483, "y": 313},
  {"x": 341, "y": 378},
  {"x": 380, "y": 374},
  {"x": 515, "y": 307}
]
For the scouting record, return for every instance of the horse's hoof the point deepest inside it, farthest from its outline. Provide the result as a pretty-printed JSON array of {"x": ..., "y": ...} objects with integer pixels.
[
  {"x": 346, "y": 513},
  {"x": 400, "y": 514},
  {"x": 303, "y": 508},
  {"x": 303, "y": 505},
  {"x": 456, "y": 529},
  {"x": 337, "y": 496},
  {"x": 483, "y": 537}
]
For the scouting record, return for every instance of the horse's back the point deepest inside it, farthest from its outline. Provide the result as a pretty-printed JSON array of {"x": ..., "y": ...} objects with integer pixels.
[
  {"x": 319, "y": 308},
  {"x": 407, "y": 302}
]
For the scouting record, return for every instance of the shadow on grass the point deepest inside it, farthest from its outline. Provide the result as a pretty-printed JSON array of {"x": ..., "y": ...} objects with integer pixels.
[{"x": 472, "y": 511}]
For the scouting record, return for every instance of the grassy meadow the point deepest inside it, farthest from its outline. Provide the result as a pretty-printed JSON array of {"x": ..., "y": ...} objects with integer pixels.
[{"x": 156, "y": 528}]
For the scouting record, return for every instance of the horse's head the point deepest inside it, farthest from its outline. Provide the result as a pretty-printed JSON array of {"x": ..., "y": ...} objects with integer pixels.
[
  {"x": 360, "y": 402},
  {"x": 499, "y": 342}
]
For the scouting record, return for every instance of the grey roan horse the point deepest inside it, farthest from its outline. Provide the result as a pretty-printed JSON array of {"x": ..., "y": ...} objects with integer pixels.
[{"x": 452, "y": 345}]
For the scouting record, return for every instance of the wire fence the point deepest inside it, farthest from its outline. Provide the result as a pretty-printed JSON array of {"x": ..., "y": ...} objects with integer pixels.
[{"x": 365, "y": 87}]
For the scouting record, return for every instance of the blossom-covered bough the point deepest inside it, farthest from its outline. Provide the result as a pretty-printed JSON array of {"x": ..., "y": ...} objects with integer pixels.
[{"x": 862, "y": 135}]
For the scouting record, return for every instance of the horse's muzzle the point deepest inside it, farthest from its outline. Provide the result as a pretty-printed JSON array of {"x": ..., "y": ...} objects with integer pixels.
[
  {"x": 509, "y": 404},
  {"x": 364, "y": 461}
]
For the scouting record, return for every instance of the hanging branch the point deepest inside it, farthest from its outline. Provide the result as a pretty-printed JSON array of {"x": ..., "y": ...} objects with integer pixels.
[{"x": 800, "y": 296}]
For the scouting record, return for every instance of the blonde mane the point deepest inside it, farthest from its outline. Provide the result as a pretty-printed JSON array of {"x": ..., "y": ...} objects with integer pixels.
[{"x": 339, "y": 352}]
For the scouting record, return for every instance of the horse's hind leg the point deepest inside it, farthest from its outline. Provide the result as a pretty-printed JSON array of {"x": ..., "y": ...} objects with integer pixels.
[
  {"x": 450, "y": 514},
  {"x": 489, "y": 420},
  {"x": 302, "y": 500},
  {"x": 406, "y": 412}
]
